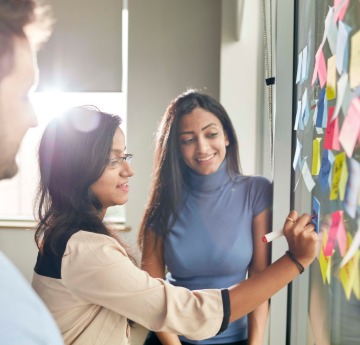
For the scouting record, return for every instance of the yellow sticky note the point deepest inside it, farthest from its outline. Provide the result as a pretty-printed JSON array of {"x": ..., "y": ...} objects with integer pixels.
[
  {"x": 354, "y": 70},
  {"x": 316, "y": 157},
  {"x": 325, "y": 267},
  {"x": 325, "y": 261},
  {"x": 356, "y": 285},
  {"x": 343, "y": 180},
  {"x": 347, "y": 276},
  {"x": 331, "y": 78},
  {"x": 337, "y": 171}
]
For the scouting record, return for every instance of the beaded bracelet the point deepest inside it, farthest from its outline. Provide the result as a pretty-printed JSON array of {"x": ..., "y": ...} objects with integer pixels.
[{"x": 297, "y": 263}]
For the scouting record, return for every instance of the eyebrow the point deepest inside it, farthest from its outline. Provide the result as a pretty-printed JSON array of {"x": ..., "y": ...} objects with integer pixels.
[
  {"x": 118, "y": 150},
  {"x": 207, "y": 126}
]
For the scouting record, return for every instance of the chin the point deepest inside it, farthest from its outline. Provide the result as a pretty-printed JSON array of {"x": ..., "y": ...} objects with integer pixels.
[{"x": 9, "y": 171}]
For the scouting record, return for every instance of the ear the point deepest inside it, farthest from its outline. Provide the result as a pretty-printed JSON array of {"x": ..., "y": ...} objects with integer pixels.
[{"x": 227, "y": 142}]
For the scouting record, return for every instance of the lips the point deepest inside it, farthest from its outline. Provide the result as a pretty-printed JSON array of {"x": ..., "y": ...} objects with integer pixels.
[
  {"x": 123, "y": 187},
  {"x": 205, "y": 159}
]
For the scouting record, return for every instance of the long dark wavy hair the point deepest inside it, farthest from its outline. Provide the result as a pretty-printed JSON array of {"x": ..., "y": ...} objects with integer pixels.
[
  {"x": 73, "y": 154},
  {"x": 169, "y": 169}
]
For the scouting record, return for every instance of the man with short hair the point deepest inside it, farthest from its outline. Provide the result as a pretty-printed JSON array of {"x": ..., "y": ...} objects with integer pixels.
[{"x": 24, "y": 25}]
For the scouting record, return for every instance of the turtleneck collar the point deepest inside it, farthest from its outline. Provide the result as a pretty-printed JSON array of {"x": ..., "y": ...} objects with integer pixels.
[{"x": 209, "y": 183}]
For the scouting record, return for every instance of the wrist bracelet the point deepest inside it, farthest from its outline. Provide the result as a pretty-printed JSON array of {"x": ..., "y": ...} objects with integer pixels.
[{"x": 296, "y": 262}]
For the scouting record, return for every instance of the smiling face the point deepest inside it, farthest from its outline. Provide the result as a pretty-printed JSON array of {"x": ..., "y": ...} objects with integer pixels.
[
  {"x": 202, "y": 141},
  {"x": 16, "y": 112},
  {"x": 112, "y": 187}
]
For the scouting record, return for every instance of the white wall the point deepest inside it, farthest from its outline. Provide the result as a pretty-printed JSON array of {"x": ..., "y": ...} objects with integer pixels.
[
  {"x": 242, "y": 78},
  {"x": 173, "y": 45}
]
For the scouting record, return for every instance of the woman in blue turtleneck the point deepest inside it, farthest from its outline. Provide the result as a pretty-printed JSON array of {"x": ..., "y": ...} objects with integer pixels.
[{"x": 204, "y": 220}]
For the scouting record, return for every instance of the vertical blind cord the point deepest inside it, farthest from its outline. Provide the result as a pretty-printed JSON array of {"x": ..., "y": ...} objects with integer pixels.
[
  {"x": 270, "y": 80},
  {"x": 269, "y": 83}
]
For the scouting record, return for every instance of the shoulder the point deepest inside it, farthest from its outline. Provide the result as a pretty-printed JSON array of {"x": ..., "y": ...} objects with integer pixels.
[
  {"x": 100, "y": 246},
  {"x": 255, "y": 181},
  {"x": 22, "y": 310}
]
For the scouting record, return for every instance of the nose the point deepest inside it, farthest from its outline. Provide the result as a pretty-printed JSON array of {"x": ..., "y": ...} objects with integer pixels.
[
  {"x": 127, "y": 170},
  {"x": 202, "y": 145}
]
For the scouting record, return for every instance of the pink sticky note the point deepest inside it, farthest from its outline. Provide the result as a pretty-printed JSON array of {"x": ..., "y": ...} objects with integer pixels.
[
  {"x": 341, "y": 235},
  {"x": 331, "y": 240},
  {"x": 340, "y": 8},
  {"x": 322, "y": 69},
  {"x": 350, "y": 129},
  {"x": 331, "y": 141},
  {"x": 314, "y": 74}
]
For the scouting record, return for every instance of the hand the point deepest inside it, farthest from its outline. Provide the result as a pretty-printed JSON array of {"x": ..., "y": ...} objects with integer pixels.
[{"x": 301, "y": 237}]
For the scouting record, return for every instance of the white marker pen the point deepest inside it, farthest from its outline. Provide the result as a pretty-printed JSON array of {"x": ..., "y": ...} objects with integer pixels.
[{"x": 272, "y": 236}]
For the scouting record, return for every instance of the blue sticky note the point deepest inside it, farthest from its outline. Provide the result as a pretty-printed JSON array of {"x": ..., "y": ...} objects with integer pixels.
[
  {"x": 325, "y": 114},
  {"x": 316, "y": 213},
  {"x": 324, "y": 172},
  {"x": 320, "y": 107},
  {"x": 305, "y": 108}
]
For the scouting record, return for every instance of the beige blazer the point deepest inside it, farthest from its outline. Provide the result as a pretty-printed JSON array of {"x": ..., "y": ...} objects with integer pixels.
[{"x": 100, "y": 288}]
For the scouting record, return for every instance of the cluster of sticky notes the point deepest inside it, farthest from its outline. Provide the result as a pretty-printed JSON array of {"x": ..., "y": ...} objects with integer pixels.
[{"x": 334, "y": 165}]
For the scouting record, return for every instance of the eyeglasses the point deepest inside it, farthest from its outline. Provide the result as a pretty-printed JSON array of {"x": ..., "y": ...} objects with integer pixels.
[{"x": 117, "y": 162}]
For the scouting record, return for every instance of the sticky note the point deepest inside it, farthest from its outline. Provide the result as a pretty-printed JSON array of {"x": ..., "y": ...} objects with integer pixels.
[
  {"x": 342, "y": 87},
  {"x": 353, "y": 247},
  {"x": 324, "y": 172},
  {"x": 304, "y": 71},
  {"x": 316, "y": 157},
  {"x": 305, "y": 108},
  {"x": 331, "y": 239},
  {"x": 352, "y": 193},
  {"x": 298, "y": 117},
  {"x": 322, "y": 69},
  {"x": 331, "y": 78},
  {"x": 356, "y": 284},
  {"x": 325, "y": 261},
  {"x": 342, "y": 48},
  {"x": 306, "y": 174},
  {"x": 340, "y": 8},
  {"x": 299, "y": 68},
  {"x": 341, "y": 236},
  {"x": 343, "y": 180},
  {"x": 331, "y": 141},
  {"x": 331, "y": 30},
  {"x": 297, "y": 154},
  {"x": 320, "y": 108},
  {"x": 348, "y": 271},
  {"x": 347, "y": 277},
  {"x": 354, "y": 72},
  {"x": 351, "y": 128},
  {"x": 316, "y": 213},
  {"x": 337, "y": 171}
]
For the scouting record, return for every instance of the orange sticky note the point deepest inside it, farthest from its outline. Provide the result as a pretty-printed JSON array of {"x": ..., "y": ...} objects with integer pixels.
[{"x": 331, "y": 78}]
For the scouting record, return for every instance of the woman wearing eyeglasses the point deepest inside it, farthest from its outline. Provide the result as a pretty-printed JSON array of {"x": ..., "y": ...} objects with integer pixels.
[{"x": 83, "y": 272}]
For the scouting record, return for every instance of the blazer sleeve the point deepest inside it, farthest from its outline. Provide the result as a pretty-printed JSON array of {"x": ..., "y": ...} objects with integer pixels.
[{"x": 96, "y": 269}]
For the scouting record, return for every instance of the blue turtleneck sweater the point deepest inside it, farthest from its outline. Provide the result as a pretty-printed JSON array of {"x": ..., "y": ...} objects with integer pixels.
[{"x": 210, "y": 244}]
